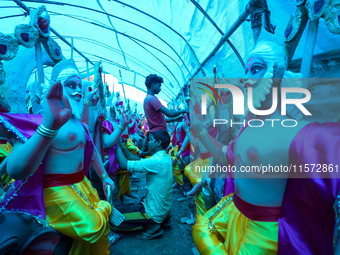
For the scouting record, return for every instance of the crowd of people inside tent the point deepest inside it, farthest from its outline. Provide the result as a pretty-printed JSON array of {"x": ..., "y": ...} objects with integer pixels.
[{"x": 68, "y": 163}]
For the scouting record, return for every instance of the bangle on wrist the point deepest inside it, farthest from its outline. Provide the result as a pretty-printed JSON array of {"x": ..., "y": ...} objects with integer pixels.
[
  {"x": 87, "y": 102},
  {"x": 120, "y": 128},
  {"x": 104, "y": 176},
  {"x": 202, "y": 134},
  {"x": 43, "y": 131}
]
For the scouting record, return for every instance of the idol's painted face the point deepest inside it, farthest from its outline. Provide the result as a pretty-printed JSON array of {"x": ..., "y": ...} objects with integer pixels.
[
  {"x": 72, "y": 88},
  {"x": 255, "y": 70}
]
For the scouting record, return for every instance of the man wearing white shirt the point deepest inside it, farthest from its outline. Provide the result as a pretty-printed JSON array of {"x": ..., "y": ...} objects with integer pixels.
[{"x": 156, "y": 206}]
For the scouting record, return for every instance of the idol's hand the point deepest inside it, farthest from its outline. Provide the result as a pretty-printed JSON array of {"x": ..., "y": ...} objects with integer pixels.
[
  {"x": 55, "y": 115},
  {"x": 123, "y": 122},
  {"x": 108, "y": 181},
  {"x": 90, "y": 94}
]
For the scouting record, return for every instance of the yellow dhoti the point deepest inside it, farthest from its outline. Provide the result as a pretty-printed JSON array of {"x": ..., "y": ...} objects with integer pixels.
[
  {"x": 76, "y": 211},
  {"x": 123, "y": 183},
  {"x": 176, "y": 170},
  {"x": 5, "y": 149},
  {"x": 131, "y": 147},
  {"x": 195, "y": 177},
  {"x": 225, "y": 230}
]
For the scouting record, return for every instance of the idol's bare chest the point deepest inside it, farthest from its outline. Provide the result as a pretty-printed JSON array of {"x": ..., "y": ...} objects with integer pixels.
[{"x": 69, "y": 136}]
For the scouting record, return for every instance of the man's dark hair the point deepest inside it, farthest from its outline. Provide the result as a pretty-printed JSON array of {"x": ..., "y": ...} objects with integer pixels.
[
  {"x": 163, "y": 136},
  {"x": 152, "y": 78}
]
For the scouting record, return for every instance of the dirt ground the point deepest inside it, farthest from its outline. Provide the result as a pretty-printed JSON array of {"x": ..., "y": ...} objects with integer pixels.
[{"x": 176, "y": 239}]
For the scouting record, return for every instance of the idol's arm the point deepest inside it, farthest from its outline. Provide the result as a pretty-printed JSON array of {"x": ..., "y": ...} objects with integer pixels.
[
  {"x": 90, "y": 113},
  {"x": 193, "y": 139},
  {"x": 216, "y": 149},
  {"x": 121, "y": 158},
  {"x": 25, "y": 159},
  {"x": 98, "y": 167},
  {"x": 183, "y": 147},
  {"x": 112, "y": 139},
  {"x": 132, "y": 123},
  {"x": 140, "y": 121}
]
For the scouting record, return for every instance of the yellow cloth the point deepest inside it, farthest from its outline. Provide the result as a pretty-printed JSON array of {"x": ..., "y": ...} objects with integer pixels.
[
  {"x": 5, "y": 179},
  {"x": 5, "y": 149},
  {"x": 195, "y": 177},
  {"x": 176, "y": 170},
  {"x": 232, "y": 233},
  {"x": 76, "y": 211},
  {"x": 131, "y": 147},
  {"x": 123, "y": 183},
  {"x": 190, "y": 170}
]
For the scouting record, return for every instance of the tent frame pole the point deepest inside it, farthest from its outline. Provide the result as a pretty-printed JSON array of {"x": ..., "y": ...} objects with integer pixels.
[
  {"x": 309, "y": 48},
  {"x": 38, "y": 58},
  {"x": 252, "y": 5}
]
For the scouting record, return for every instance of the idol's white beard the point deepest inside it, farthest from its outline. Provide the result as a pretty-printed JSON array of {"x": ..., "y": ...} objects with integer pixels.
[
  {"x": 261, "y": 91},
  {"x": 77, "y": 109}
]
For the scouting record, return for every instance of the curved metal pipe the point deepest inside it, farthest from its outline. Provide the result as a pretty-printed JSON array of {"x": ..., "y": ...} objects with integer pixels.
[
  {"x": 101, "y": 44},
  {"x": 158, "y": 20},
  {"x": 132, "y": 38},
  {"x": 105, "y": 60},
  {"x": 108, "y": 17},
  {"x": 219, "y": 30},
  {"x": 90, "y": 9},
  {"x": 128, "y": 36},
  {"x": 130, "y": 57}
]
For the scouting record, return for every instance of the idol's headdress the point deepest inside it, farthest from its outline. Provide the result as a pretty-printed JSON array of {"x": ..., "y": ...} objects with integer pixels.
[
  {"x": 269, "y": 48},
  {"x": 63, "y": 70}
]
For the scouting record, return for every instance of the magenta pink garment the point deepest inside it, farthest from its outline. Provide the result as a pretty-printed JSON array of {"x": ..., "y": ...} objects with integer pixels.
[
  {"x": 307, "y": 217},
  {"x": 29, "y": 197},
  {"x": 182, "y": 136},
  {"x": 132, "y": 130},
  {"x": 113, "y": 163},
  {"x": 174, "y": 137},
  {"x": 213, "y": 132},
  {"x": 155, "y": 118}
]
